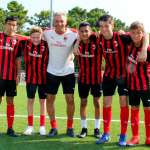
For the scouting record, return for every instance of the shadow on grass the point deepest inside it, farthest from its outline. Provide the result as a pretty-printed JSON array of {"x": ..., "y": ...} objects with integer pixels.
[{"x": 60, "y": 142}]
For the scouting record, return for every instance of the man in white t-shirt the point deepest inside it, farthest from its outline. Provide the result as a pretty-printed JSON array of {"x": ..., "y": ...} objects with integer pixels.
[{"x": 60, "y": 70}]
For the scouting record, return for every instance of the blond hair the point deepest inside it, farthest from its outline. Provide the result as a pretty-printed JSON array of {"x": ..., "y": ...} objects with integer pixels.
[
  {"x": 35, "y": 29},
  {"x": 137, "y": 25},
  {"x": 60, "y": 14}
]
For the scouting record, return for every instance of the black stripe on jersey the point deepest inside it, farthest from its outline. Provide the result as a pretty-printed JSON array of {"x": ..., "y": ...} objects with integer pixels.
[
  {"x": 113, "y": 55},
  {"x": 3, "y": 55},
  {"x": 139, "y": 77},
  {"x": 31, "y": 63},
  {"x": 90, "y": 62},
  {"x": 145, "y": 73},
  {"x": 120, "y": 56}
]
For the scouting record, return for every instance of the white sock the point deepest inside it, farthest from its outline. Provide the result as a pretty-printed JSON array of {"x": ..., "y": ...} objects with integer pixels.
[
  {"x": 97, "y": 123},
  {"x": 84, "y": 123}
]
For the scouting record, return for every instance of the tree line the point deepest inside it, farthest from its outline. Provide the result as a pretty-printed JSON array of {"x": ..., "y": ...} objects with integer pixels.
[{"x": 75, "y": 16}]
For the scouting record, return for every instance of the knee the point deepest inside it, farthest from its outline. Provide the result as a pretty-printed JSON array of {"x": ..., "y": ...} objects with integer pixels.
[
  {"x": 70, "y": 99},
  {"x": 83, "y": 103}
]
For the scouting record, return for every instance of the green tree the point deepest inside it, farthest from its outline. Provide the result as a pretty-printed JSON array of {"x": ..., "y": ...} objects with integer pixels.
[
  {"x": 119, "y": 25},
  {"x": 16, "y": 9},
  {"x": 2, "y": 18},
  {"x": 42, "y": 19},
  {"x": 93, "y": 16},
  {"x": 75, "y": 16}
]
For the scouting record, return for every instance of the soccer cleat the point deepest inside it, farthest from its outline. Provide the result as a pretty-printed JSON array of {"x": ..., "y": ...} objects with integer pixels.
[
  {"x": 42, "y": 130},
  {"x": 70, "y": 132},
  {"x": 83, "y": 133},
  {"x": 133, "y": 141},
  {"x": 11, "y": 132},
  {"x": 29, "y": 130},
  {"x": 147, "y": 142},
  {"x": 53, "y": 132},
  {"x": 122, "y": 140},
  {"x": 96, "y": 133},
  {"x": 103, "y": 139}
]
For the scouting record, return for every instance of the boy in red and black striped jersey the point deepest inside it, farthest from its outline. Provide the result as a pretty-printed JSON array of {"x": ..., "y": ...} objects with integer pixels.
[
  {"x": 89, "y": 75},
  {"x": 36, "y": 58},
  {"x": 113, "y": 46},
  {"x": 9, "y": 68},
  {"x": 138, "y": 81}
]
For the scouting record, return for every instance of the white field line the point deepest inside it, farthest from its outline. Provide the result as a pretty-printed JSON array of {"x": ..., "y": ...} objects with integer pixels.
[{"x": 61, "y": 118}]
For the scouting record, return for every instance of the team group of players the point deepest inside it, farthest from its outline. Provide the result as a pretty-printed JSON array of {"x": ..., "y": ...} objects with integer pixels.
[{"x": 49, "y": 62}]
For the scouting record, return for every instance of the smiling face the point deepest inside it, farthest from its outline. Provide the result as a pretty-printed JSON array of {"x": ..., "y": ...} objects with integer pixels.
[
  {"x": 36, "y": 38},
  {"x": 60, "y": 23},
  {"x": 10, "y": 27},
  {"x": 136, "y": 36},
  {"x": 85, "y": 32},
  {"x": 137, "y": 33},
  {"x": 106, "y": 29}
]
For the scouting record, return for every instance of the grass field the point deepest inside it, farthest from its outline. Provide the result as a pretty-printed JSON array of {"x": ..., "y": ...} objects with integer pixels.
[{"x": 61, "y": 142}]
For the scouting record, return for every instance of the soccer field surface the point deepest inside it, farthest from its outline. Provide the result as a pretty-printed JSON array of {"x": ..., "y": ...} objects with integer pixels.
[{"x": 61, "y": 142}]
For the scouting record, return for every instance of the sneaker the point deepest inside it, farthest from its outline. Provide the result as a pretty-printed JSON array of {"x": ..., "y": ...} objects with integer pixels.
[
  {"x": 133, "y": 141},
  {"x": 122, "y": 140},
  {"x": 103, "y": 139},
  {"x": 83, "y": 133},
  {"x": 147, "y": 142},
  {"x": 53, "y": 132},
  {"x": 70, "y": 132},
  {"x": 11, "y": 132},
  {"x": 29, "y": 130},
  {"x": 96, "y": 133},
  {"x": 42, "y": 130}
]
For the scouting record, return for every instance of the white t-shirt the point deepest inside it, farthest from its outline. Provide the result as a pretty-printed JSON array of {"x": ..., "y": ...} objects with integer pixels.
[{"x": 60, "y": 52}]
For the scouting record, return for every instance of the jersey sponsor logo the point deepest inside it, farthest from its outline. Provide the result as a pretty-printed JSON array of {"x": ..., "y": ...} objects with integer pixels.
[
  {"x": 59, "y": 44},
  {"x": 35, "y": 54},
  {"x": 6, "y": 47},
  {"x": 109, "y": 50},
  {"x": 87, "y": 55}
]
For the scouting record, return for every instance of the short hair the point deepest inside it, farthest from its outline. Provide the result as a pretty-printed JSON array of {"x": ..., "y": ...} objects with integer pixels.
[
  {"x": 137, "y": 25},
  {"x": 105, "y": 18},
  {"x": 11, "y": 18},
  {"x": 35, "y": 29},
  {"x": 60, "y": 14},
  {"x": 84, "y": 24}
]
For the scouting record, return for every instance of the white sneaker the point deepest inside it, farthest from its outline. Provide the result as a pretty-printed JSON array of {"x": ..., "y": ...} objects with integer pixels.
[
  {"x": 42, "y": 130},
  {"x": 29, "y": 130}
]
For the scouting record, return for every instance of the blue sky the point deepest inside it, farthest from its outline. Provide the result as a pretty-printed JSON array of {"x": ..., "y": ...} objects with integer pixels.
[{"x": 126, "y": 10}]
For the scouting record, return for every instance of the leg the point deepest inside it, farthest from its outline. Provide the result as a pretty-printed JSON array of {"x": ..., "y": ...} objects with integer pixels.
[
  {"x": 147, "y": 124},
  {"x": 124, "y": 114},
  {"x": 108, "y": 86},
  {"x": 68, "y": 84},
  {"x": 70, "y": 109},
  {"x": 30, "y": 104},
  {"x": 42, "y": 111},
  {"x": 51, "y": 109},
  {"x": 97, "y": 116},
  {"x": 134, "y": 101},
  {"x": 42, "y": 129}
]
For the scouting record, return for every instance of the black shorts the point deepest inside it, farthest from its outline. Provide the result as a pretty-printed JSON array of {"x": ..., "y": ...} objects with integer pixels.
[
  {"x": 84, "y": 89},
  {"x": 8, "y": 86},
  {"x": 53, "y": 82},
  {"x": 109, "y": 86},
  {"x": 31, "y": 90},
  {"x": 136, "y": 96}
]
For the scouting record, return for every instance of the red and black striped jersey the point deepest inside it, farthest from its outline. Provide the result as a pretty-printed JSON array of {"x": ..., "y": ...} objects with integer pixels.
[
  {"x": 89, "y": 62},
  {"x": 36, "y": 59},
  {"x": 114, "y": 52},
  {"x": 138, "y": 73},
  {"x": 8, "y": 56}
]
